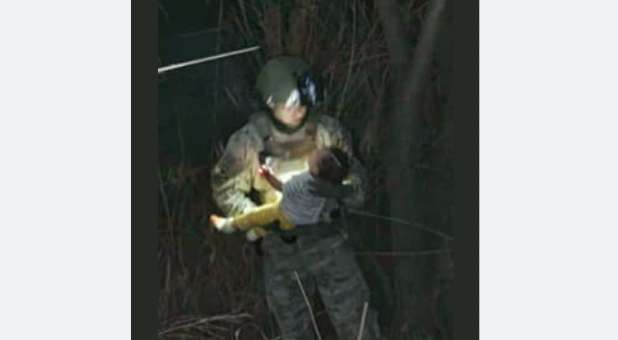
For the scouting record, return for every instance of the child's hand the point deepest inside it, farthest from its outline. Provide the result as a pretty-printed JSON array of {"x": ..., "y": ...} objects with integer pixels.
[
  {"x": 264, "y": 171},
  {"x": 267, "y": 173}
]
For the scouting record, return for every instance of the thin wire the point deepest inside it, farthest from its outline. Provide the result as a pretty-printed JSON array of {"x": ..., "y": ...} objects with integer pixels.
[
  {"x": 404, "y": 253},
  {"x": 202, "y": 60},
  {"x": 401, "y": 221}
]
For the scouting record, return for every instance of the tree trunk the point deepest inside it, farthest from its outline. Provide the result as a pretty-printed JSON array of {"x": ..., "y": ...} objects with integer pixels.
[{"x": 402, "y": 152}]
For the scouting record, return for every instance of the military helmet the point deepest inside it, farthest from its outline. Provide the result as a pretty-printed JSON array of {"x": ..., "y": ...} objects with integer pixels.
[{"x": 288, "y": 80}]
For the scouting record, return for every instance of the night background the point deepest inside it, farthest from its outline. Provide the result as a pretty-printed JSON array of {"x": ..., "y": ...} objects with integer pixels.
[{"x": 386, "y": 69}]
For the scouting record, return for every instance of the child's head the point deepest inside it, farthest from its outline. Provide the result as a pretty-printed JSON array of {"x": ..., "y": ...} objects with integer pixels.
[{"x": 329, "y": 164}]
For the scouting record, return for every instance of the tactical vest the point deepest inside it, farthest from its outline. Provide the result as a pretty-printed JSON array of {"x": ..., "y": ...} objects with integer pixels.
[{"x": 285, "y": 153}]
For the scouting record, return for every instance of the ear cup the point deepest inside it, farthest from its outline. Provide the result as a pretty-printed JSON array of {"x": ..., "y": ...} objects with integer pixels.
[{"x": 310, "y": 90}]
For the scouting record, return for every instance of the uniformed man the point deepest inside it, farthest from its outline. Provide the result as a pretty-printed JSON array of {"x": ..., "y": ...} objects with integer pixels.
[{"x": 318, "y": 255}]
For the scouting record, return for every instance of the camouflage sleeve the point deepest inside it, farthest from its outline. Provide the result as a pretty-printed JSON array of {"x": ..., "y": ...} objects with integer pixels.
[
  {"x": 231, "y": 177},
  {"x": 332, "y": 133}
]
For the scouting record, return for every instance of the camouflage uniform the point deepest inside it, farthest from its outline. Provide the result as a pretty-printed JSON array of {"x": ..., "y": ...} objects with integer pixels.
[{"x": 321, "y": 255}]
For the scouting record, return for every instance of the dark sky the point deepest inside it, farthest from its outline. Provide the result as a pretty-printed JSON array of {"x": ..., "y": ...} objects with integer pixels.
[{"x": 187, "y": 15}]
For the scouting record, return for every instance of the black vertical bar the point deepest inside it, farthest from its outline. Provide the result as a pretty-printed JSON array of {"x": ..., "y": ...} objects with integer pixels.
[
  {"x": 144, "y": 279},
  {"x": 465, "y": 110}
]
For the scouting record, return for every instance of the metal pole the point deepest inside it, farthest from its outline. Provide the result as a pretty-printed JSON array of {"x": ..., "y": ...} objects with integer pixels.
[{"x": 202, "y": 60}]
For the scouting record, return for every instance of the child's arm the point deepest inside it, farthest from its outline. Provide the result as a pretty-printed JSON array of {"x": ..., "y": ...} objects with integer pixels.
[{"x": 270, "y": 177}]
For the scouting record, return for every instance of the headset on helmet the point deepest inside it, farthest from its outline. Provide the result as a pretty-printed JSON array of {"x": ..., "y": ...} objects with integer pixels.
[
  {"x": 288, "y": 80},
  {"x": 310, "y": 91}
]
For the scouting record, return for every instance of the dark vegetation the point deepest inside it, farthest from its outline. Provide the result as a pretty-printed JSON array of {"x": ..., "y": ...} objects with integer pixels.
[{"x": 385, "y": 65}]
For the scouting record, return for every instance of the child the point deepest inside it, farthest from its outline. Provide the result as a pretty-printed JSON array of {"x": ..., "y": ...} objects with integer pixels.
[{"x": 307, "y": 198}]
